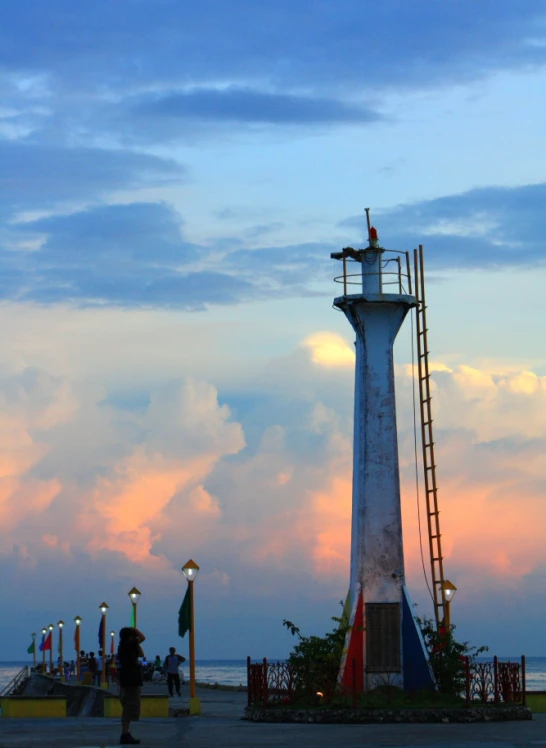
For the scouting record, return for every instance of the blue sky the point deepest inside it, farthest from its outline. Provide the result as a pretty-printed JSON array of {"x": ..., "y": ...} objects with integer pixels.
[{"x": 174, "y": 379}]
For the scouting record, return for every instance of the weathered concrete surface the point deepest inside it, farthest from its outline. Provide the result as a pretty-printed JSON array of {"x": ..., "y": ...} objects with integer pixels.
[{"x": 221, "y": 726}]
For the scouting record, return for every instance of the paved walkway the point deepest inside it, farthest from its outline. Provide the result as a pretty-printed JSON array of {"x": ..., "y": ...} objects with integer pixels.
[{"x": 221, "y": 726}]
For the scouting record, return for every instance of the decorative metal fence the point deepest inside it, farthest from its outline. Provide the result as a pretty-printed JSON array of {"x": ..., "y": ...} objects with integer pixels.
[
  {"x": 275, "y": 683},
  {"x": 495, "y": 682}
]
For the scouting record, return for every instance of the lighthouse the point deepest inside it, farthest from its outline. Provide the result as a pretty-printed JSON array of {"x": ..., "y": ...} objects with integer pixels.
[{"x": 384, "y": 644}]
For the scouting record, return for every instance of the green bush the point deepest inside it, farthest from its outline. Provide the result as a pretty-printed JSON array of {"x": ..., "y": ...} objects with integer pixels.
[
  {"x": 447, "y": 656},
  {"x": 315, "y": 662}
]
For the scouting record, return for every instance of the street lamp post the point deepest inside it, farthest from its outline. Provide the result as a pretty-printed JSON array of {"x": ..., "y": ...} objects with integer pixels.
[
  {"x": 77, "y": 647},
  {"x": 134, "y": 596},
  {"x": 34, "y": 649},
  {"x": 61, "y": 657},
  {"x": 191, "y": 570},
  {"x": 103, "y": 610},
  {"x": 44, "y": 632},
  {"x": 449, "y": 591},
  {"x": 51, "y": 627}
]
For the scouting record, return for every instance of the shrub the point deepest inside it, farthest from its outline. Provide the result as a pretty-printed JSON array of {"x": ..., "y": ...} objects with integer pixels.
[
  {"x": 315, "y": 661},
  {"x": 447, "y": 656}
]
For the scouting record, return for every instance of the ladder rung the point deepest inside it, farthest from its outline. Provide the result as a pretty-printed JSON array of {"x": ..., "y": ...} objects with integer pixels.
[
  {"x": 436, "y": 536},
  {"x": 431, "y": 467},
  {"x": 429, "y": 444}
]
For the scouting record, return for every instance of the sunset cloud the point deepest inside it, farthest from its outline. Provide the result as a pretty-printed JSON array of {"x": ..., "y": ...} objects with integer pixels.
[{"x": 266, "y": 493}]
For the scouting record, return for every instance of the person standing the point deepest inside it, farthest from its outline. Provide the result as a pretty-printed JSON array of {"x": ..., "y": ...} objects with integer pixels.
[
  {"x": 171, "y": 665},
  {"x": 100, "y": 665},
  {"x": 130, "y": 680},
  {"x": 92, "y": 666}
]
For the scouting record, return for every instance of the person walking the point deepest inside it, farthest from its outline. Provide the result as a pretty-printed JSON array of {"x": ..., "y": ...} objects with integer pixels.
[
  {"x": 130, "y": 680},
  {"x": 170, "y": 666}
]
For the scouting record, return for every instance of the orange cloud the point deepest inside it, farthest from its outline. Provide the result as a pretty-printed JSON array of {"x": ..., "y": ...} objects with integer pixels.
[{"x": 329, "y": 349}]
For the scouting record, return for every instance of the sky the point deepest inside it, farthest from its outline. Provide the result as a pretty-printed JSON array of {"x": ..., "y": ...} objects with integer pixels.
[{"x": 174, "y": 382}]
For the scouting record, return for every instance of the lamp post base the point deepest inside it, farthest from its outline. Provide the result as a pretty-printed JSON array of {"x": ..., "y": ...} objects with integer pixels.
[{"x": 195, "y": 706}]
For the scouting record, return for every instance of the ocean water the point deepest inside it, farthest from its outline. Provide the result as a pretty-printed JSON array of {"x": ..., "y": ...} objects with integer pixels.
[
  {"x": 233, "y": 672},
  {"x": 224, "y": 672}
]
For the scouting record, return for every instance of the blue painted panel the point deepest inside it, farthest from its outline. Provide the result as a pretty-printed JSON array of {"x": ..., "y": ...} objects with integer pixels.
[{"x": 417, "y": 672}]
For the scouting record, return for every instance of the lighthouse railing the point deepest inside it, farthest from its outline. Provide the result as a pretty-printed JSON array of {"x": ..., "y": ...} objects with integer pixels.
[{"x": 393, "y": 270}]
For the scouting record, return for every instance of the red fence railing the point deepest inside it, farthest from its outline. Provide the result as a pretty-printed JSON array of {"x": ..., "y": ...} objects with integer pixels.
[
  {"x": 271, "y": 683},
  {"x": 495, "y": 682}
]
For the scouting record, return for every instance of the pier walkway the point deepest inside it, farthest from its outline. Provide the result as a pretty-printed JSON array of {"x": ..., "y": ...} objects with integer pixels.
[{"x": 221, "y": 726}]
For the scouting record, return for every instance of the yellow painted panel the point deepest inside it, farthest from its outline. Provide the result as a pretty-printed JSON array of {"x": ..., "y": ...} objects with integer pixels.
[
  {"x": 195, "y": 706},
  {"x": 153, "y": 706},
  {"x": 33, "y": 708},
  {"x": 112, "y": 708}
]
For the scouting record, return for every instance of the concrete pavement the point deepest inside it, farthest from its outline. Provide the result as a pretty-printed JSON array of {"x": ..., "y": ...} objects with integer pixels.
[{"x": 221, "y": 726}]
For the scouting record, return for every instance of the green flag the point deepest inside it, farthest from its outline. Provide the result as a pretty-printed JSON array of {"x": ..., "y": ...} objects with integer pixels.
[
  {"x": 184, "y": 614},
  {"x": 32, "y": 647}
]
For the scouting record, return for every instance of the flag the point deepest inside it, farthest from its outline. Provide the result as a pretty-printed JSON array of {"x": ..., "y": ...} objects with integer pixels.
[
  {"x": 101, "y": 631},
  {"x": 46, "y": 644},
  {"x": 32, "y": 649},
  {"x": 133, "y": 616},
  {"x": 184, "y": 614},
  {"x": 77, "y": 639},
  {"x": 41, "y": 647}
]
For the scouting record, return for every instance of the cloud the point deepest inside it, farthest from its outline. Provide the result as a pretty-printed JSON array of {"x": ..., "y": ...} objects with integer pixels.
[
  {"x": 258, "y": 487},
  {"x": 135, "y": 255},
  {"x": 328, "y": 349},
  {"x": 129, "y": 466},
  {"x": 243, "y": 104},
  {"x": 488, "y": 227},
  {"x": 39, "y": 176},
  {"x": 312, "y": 45},
  {"x": 126, "y": 255}
]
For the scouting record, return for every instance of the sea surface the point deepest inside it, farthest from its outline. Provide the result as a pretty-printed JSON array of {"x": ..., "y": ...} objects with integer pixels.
[
  {"x": 233, "y": 672},
  {"x": 224, "y": 672}
]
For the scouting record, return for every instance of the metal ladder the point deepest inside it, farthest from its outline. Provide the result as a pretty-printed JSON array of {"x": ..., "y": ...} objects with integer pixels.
[{"x": 427, "y": 441}]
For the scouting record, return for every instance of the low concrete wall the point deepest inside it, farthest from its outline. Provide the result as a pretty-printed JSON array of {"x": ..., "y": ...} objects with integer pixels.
[
  {"x": 150, "y": 706},
  {"x": 371, "y": 716},
  {"x": 29, "y": 707},
  {"x": 90, "y": 701},
  {"x": 81, "y": 701}
]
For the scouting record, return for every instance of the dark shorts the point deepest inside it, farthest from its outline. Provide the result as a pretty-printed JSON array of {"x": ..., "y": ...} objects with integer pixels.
[{"x": 130, "y": 702}]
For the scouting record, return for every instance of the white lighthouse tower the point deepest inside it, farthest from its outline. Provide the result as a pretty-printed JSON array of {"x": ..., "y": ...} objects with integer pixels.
[{"x": 384, "y": 645}]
